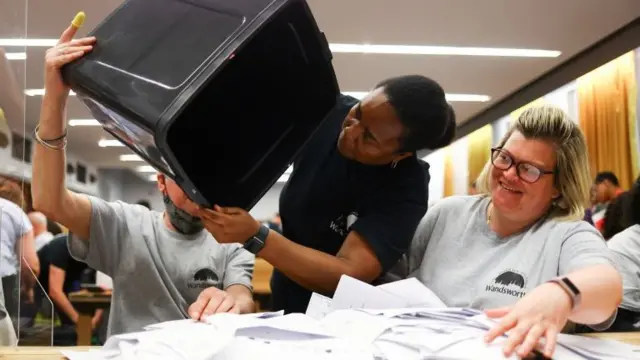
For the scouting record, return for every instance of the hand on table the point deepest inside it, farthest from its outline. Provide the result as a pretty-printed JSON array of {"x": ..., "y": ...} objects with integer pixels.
[
  {"x": 212, "y": 301},
  {"x": 229, "y": 225},
  {"x": 541, "y": 314}
]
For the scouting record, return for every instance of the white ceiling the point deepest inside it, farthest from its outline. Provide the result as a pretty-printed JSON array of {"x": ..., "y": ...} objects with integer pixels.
[{"x": 568, "y": 26}]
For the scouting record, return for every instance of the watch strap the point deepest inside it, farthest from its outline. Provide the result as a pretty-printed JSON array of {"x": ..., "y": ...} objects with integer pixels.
[
  {"x": 571, "y": 289},
  {"x": 257, "y": 241}
]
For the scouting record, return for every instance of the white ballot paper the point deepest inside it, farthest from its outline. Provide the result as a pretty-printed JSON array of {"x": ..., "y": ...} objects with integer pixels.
[
  {"x": 355, "y": 294},
  {"x": 402, "y": 320}
]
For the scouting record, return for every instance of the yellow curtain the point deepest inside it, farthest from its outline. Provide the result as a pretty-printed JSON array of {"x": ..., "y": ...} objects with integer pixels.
[
  {"x": 606, "y": 98},
  {"x": 449, "y": 173},
  {"x": 516, "y": 113},
  {"x": 478, "y": 150}
]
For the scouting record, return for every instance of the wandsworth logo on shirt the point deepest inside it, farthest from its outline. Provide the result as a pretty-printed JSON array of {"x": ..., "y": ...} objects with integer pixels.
[
  {"x": 509, "y": 282},
  {"x": 203, "y": 278},
  {"x": 342, "y": 224}
]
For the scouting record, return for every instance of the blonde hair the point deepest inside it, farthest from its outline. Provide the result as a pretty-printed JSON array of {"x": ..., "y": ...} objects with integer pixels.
[{"x": 572, "y": 179}]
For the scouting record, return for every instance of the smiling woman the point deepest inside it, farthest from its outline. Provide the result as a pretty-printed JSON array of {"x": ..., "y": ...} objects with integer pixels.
[{"x": 522, "y": 253}]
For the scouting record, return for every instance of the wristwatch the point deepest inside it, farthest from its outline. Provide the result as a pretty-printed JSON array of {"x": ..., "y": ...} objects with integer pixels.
[
  {"x": 256, "y": 242},
  {"x": 571, "y": 289}
]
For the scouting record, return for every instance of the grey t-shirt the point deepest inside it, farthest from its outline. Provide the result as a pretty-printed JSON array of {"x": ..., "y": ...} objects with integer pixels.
[
  {"x": 157, "y": 273},
  {"x": 457, "y": 255},
  {"x": 625, "y": 247}
]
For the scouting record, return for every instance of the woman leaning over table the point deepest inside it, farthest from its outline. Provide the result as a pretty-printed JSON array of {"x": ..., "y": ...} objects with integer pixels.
[{"x": 520, "y": 250}]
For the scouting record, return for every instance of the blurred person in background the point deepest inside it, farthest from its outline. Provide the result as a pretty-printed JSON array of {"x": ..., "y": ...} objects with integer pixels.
[
  {"x": 41, "y": 235},
  {"x": 606, "y": 188},
  {"x": 472, "y": 189},
  {"x": 19, "y": 265}
]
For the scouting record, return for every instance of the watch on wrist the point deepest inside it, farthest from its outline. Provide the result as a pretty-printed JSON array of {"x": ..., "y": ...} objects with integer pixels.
[
  {"x": 571, "y": 289},
  {"x": 257, "y": 241}
]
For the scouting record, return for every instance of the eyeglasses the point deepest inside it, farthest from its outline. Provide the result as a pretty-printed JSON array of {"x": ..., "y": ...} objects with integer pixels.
[{"x": 527, "y": 172}]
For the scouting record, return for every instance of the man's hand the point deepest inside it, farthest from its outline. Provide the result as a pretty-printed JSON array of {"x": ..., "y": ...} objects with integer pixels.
[
  {"x": 229, "y": 225},
  {"x": 212, "y": 301},
  {"x": 95, "y": 321}
]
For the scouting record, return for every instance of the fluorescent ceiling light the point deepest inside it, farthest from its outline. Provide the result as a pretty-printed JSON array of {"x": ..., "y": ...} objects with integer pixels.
[
  {"x": 84, "y": 122},
  {"x": 40, "y": 92},
  {"x": 440, "y": 50},
  {"x": 130, "y": 157},
  {"x": 29, "y": 42},
  {"x": 110, "y": 143},
  {"x": 153, "y": 177},
  {"x": 147, "y": 168},
  {"x": 450, "y": 97},
  {"x": 16, "y": 56},
  {"x": 370, "y": 49}
]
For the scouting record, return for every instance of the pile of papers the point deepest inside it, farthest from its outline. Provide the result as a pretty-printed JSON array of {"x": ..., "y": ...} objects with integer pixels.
[{"x": 349, "y": 326}]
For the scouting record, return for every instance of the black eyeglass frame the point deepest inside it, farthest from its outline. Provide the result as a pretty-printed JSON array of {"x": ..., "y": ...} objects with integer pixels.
[{"x": 517, "y": 165}]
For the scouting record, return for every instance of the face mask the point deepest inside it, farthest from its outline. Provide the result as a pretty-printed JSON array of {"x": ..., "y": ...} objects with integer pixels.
[{"x": 180, "y": 219}]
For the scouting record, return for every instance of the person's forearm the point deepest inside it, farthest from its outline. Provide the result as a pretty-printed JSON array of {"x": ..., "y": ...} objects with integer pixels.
[
  {"x": 62, "y": 302},
  {"x": 310, "y": 268},
  {"x": 601, "y": 291},
  {"x": 49, "y": 166}
]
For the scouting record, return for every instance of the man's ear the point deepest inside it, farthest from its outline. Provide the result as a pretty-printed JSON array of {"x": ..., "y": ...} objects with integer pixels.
[{"x": 161, "y": 182}]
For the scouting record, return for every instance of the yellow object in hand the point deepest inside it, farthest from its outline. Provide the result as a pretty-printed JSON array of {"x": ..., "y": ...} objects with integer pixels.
[{"x": 78, "y": 20}]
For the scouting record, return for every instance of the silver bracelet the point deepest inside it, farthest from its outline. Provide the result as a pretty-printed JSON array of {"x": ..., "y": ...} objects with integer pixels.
[{"x": 47, "y": 143}]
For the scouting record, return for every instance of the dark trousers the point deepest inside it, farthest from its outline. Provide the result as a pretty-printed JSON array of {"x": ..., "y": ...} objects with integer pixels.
[{"x": 11, "y": 288}]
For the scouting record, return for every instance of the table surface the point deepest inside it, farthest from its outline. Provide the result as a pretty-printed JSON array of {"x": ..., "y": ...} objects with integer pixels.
[
  {"x": 90, "y": 296},
  {"x": 53, "y": 353}
]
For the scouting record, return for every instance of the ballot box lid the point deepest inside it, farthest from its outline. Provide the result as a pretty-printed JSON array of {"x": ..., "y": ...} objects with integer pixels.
[{"x": 218, "y": 95}]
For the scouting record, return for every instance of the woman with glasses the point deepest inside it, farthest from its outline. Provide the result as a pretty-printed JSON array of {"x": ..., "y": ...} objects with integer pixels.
[{"x": 520, "y": 250}]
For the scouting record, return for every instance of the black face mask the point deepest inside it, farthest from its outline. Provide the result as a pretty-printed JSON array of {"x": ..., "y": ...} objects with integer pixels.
[{"x": 180, "y": 219}]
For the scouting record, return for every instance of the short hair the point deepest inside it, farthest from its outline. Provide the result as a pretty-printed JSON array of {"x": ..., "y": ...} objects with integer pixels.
[
  {"x": 10, "y": 190},
  {"x": 573, "y": 178},
  {"x": 607, "y": 175},
  {"x": 422, "y": 107}
]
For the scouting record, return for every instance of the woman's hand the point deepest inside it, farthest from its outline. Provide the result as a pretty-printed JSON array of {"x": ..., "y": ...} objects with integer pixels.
[
  {"x": 229, "y": 225},
  {"x": 540, "y": 314},
  {"x": 66, "y": 51}
]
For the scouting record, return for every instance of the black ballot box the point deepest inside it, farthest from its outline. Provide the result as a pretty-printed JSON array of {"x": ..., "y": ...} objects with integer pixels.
[{"x": 219, "y": 95}]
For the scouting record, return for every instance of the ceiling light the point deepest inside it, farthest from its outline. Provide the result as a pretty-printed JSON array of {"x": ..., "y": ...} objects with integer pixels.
[
  {"x": 440, "y": 50},
  {"x": 29, "y": 42},
  {"x": 147, "y": 168},
  {"x": 370, "y": 49},
  {"x": 16, "y": 56},
  {"x": 84, "y": 122},
  {"x": 40, "y": 92},
  {"x": 130, "y": 157},
  {"x": 153, "y": 177},
  {"x": 450, "y": 97},
  {"x": 110, "y": 143}
]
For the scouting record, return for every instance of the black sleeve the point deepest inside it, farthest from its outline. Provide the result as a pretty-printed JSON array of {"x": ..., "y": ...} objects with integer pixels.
[
  {"x": 391, "y": 217},
  {"x": 614, "y": 217},
  {"x": 59, "y": 254}
]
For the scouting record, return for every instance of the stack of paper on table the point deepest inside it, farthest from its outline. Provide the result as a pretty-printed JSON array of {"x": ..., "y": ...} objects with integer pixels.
[{"x": 388, "y": 322}]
